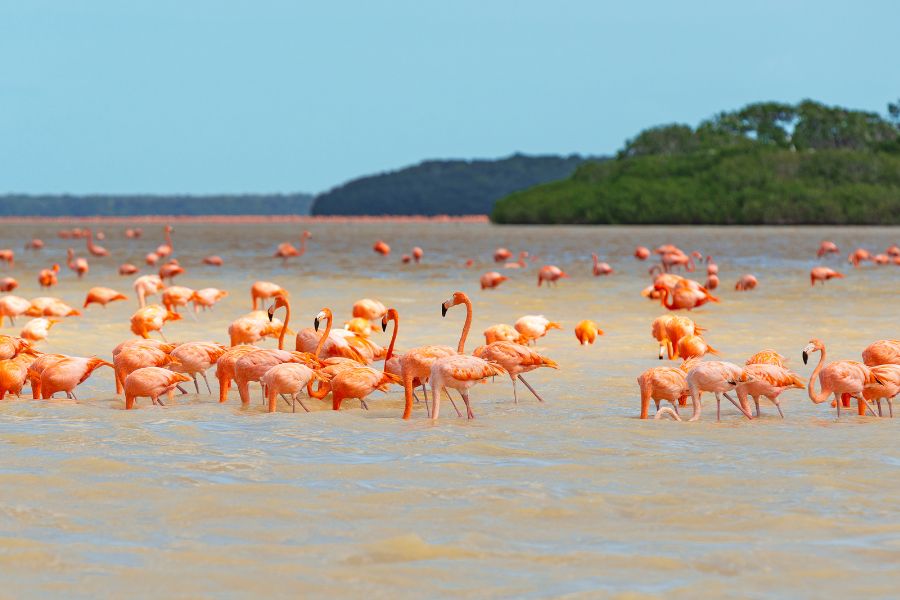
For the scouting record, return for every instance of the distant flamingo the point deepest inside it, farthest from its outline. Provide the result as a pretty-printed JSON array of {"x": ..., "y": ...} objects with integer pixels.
[
  {"x": 147, "y": 285},
  {"x": 684, "y": 296},
  {"x": 45, "y": 306},
  {"x": 712, "y": 282},
  {"x": 838, "y": 377},
  {"x": 127, "y": 269},
  {"x": 823, "y": 274},
  {"x": 170, "y": 270},
  {"x": 8, "y": 256},
  {"x": 601, "y": 268},
  {"x": 213, "y": 261},
  {"x": 502, "y": 332},
  {"x": 368, "y": 309},
  {"x": 175, "y": 296},
  {"x": 152, "y": 258},
  {"x": 502, "y": 254},
  {"x": 78, "y": 265},
  {"x": 641, "y": 253},
  {"x": 206, "y": 298},
  {"x": 263, "y": 290},
  {"x": 93, "y": 248},
  {"x": 8, "y": 284},
  {"x": 164, "y": 250},
  {"x": 102, "y": 296},
  {"x": 417, "y": 254},
  {"x": 519, "y": 264},
  {"x": 587, "y": 331},
  {"x": 133, "y": 233},
  {"x": 859, "y": 255},
  {"x": 381, "y": 248},
  {"x": 151, "y": 318},
  {"x": 827, "y": 247},
  {"x": 12, "y": 307},
  {"x": 550, "y": 274},
  {"x": 881, "y": 259},
  {"x": 492, "y": 279},
  {"x": 151, "y": 382},
  {"x": 459, "y": 371},
  {"x": 893, "y": 251},
  {"x": 287, "y": 250},
  {"x": 533, "y": 327},
  {"x": 47, "y": 278},
  {"x": 37, "y": 329},
  {"x": 746, "y": 283},
  {"x": 35, "y": 244}
]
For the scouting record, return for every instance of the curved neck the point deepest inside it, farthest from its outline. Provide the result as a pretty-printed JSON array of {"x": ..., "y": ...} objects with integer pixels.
[
  {"x": 390, "y": 350},
  {"x": 465, "y": 332},
  {"x": 666, "y": 296},
  {"x": 596, "y": 260},
  {"x": 70, "y": 255},
  {"x": 168, "y": 238},
  {"x": 324, "y": 334},
  {"x": 820, "y": 397},
  {"x": 284, "y": 326},
  {"x": 302, "y": 244}
]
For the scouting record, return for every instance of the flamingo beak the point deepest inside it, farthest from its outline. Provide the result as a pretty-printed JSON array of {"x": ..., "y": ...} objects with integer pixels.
[
  {"x": 271, "y": 313},
  {"x": 805, "y": 357},
  {"x": 316, "y": 323},
  {"x": 444, "y": 309},
  {"x": 383, "y": 324},
  {"x": 661, "y": 351}
]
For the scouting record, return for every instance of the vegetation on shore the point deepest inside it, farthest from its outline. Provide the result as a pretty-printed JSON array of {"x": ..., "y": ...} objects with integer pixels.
[
  {"x": 768, "y": 163},
  {"x": 443, "y": 187}
]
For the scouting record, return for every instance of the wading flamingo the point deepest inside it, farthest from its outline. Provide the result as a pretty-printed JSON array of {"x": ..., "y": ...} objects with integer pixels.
[
  {"x": 417, "y": 254},
  {"x": 37, "y": 329},
  {"x": 823, "y": 274},
  {"x": 206, "y": 298},
  {"x": 65, "y": 374},
  {"x": 664, "y": 383},
  {"x": 551, "y": 274},
  {"x": 766, "y": 380},
  {"x": 519, "y": 264},
  {"x": 286, "y": 250},
  {"x": 12, "y": 307},
  {"x": 175, "y": 296},
  {"x": 600, "y": 268},
  {"x": 127, "y": 269},
  {"x": 532, "y": 327},
  {"x": 93, "y": 248},
  {"x": 47, "y": 278},
  {"x": 587, "y": 331},
  {"x": 213, "y": 260},
  {"x": 102, "y": 296},
  {"x": 195, "y": 358},
  {"x": 502, "y": 333},
  {"x": 746, "y": 283},
  {"x": 164, "y": 250},
  {"x": 381, "y": 248},
  {"x": 515, "y": 360},
  {"x": 838, "y": 377},
  {"x": 170, "y": 270},
  {"x": 78, "y": 265},
  {"x": 889, "y": 376},
  {"x": 684, "y": 296},
  {"x": 8, "y": 284},
  {"x": 859, "y": 255},
  {"x": 151, "y": 382},
  {"x": 263, "y": 290},
  {"x": 45, "y": 306},
  {"x": 147, "y": 285},
  {"x": 501, "y": 255},
  {"x": 459, "y": 371},
  {"x": 492, "y": 279},
  {"x": 35, "y": 244},
  {"x": 253, "y": 327},
  {"x": 368, "y": 309},
  {"x": 288, "y": 379},
  {"x": 225, "y": 367},
  {"x": 717, "y": 377},
  {"x": 151, "y": 318},
  {"x": 641, "y": 253},
  {"x": 882, "y": 352}
]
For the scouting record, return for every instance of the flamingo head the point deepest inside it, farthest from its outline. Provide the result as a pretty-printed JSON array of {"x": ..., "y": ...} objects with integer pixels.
[
  {"x": 390, "y": 315},
  {"x": 814, "y": 345},
  {"x": 324, "y": 314},
  {"x": 280, "y": 302},
  {"x": 456, "y": 298}
]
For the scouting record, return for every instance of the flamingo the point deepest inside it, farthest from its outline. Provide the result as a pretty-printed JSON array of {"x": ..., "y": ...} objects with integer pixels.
[
  {"x": 263, "y": 290},
  {"x": 492, "y": 279},
  {"x": 859, "y": 255},
  {"x": 164, "y": 250},
  {"x": 225, "y": 367},
  {"x": 147, "y": 285},
  {"x": 127, "y": 269},
  {"x": 78, "y": 265},
  {"x": 213, "y": 260},
  {"x": 712, "y": 282},
  {"x": 502, "y": 332},
  {"x": 47, "y": 278},
  {"x": 14, "y": 372},
  {"x": 35, "y": 244},
  {"x": 693, "y": 346},
  {"x": 45, "y": 306},
  {"x": 151, "y": 318},
  {"x": 714, "y": 376},
  {"x": 170, "y": 270},
  {"x": 668, "y": 330},
  {"x": 838, "y": 377},
  {"x": 601, "y": 268},
  {"x": 152, "y": 382},
  {"x": 286, "y": 250},
  {"x": 151, "y": 259},
  {"x": 533, "y": 327},
  {"x": 11, "y": 346},
  {"x": 37, "y": 329},
  {"x": 823, "y": 274},
  {"x": 12, "y": 307},
  {"x": 889, "y": 376},
  {"x": 417, "y": 254},
  {"x": 587, "y": 331},
  {"x": 746, "y": 283},
  {"x": 767, "y": 357},
  {"x": 515, "y": 360},
  {"x": 195, "y": 358},
  {"x": 334, "y": 343},
  {"x": 502, "y": 254},
  {"x": 664, "y": 383},
  {"x": 684, "y": 296},
  {"x": 882, "y": 352},
  {"x": 8, "y": 284},
  {"x": 459, "y": 371},
  {"x": 767, "y": 380},
  {"x": 255, "y": 326},
  {"x": 381, "y": 248},
  {"x": 65, "y": 374},
  {"x": 93, "y": 248},
  {"x": 359, "y": 326},
  {"x": 175, "y": 296},
  {"x": 368, "y": 309},
  {"x": 519, "y": 264},
  {"x": 8, "y": 256},
  {"x": 134, "y": 233},
  {"x": 827, "y": 247},
  {"x": 641, "y": 253},
  {"x": 206, "y": 298},
  {"x": 360, "y": 381},
  {"x": 102, "y": 296},
  {"x": 893, "y": 251},
  {"x": 288, "y": 379},
  {"x": 550, "y": 274}
]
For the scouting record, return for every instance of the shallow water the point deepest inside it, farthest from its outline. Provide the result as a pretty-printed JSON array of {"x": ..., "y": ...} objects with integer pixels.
[{"x": 574, "y": 497}]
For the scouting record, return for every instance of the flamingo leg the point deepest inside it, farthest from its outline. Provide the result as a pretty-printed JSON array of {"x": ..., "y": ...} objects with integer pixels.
[
  {"x": 838, "y": 402},
  {"x": 878, "y": 402},
  {"x": 203, "y": 375},
  {"x": 181, "y": 389},
  {"x": 297, "y": 398},
  {"x": 738, "y": 406},
  {"x": 363, "y": 403},
  {"x": 778, "y": 406},
  {"x": 756, "y": 401},
  {"x": 458, "y": 414},
  {"x": 674, "y": 408},
  {"x": 515, "y": 395},
  {"x": 890, "y": 402},
  {"x": 718, "y": 407},
  {"x": 196, "y": 385},
  {"x": 531, "y": 389},
  {"x": 465, "y": 397}
]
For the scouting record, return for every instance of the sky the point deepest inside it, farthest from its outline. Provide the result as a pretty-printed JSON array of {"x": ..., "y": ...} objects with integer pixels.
[{"x": 221, "y": 96}]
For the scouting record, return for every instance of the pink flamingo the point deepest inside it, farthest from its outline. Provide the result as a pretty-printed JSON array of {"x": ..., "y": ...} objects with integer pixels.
[
  {"x": 882, "y": 352},
  {"x": 641, "y": 253},
  {"x": 550, "y": 274},
  {"x": 93, "y": 248},
  {"x": 519, "y": 264},
  {"x": 838, "y": 377},
  {"x": 746, "y": 283},
  {"x": 601, "y": 268},
  {"x": 502, "y": 254},
  {"x": 889, "y": 376},
  {"x": 714, "y": 376},
  {"x": 823, "y": 274},
  {"x": 213, "y": 261},
  {"x": 766, "y": 380},
  {"x": 127, "y": 269},
  {"x": 152, "y": 382},
  {"x": 827, "y": 247},
  {"x": 492, "y": 279},
  {"x": 515, "y": 360},
  {"x": 287, "y": 250}
]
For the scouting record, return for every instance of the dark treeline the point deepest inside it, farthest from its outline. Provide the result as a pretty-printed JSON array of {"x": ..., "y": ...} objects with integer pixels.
[
  {"x": 443, "y": 187},
  {"x": 20, "y": 205},
  {"x": 768, "y": 163}
]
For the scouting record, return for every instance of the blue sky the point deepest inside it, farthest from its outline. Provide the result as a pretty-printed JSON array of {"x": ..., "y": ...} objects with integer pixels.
[{"x": 202, "y": 96}]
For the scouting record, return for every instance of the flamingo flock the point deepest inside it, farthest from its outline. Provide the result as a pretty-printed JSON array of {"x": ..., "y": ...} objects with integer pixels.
[{"x": 340, "y": 361}]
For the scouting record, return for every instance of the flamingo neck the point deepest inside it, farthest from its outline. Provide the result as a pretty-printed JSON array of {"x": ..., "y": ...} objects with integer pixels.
[
  {"x": 465, "y": 331},
  {"x": 665, "y": 296},
  {"x": 284, "y": 326},
  {"x": 168, "y": 238},
  {"x": 302, "y": 244},
  {"x": 390, "y": 350},
  {"x": 820, "y": 397},
  {"x": 324, "y": 335}
]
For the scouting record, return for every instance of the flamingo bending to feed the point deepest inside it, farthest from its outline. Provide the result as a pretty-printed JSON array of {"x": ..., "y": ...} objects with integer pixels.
[
  {"x": 882, "y": 352},
  {"x": 668, "y": 330},
  {"x": 45, "y": 306},
  {"x": 718, "y": 377},
  {"x": 127, "y": 269},
  {"x": 767, "y": 357},
  {"x": 213, "y": 260},
  {"x": 641, "y": 253},
  {"x": 65, "y": 374},
  {"x": 857, "y": 256},
  {"x": 206, "y": 298},
  {"x": 684, "y": 296},
  {"x": 532, "y": 327},
  {"x": 459, "y": 371},
  {"x": 502, "y": 254},
  {"x": 152, "y": 382},
  {"x": 8, "y": 256},
  {"x": 746, "y": 283},
  {"x": 170, "y": 270},
  {"x": 381, "y": 248},
  {"x": 519, "y": 264},
  {"x": 368, "y": 309},
  {"x": 492, "y": 279},
  {"x": 8, "y": 284},
  {"x": 102, "y": 296},
  {"x": 551, "y": 274},
  {"x": 92, "y": 247},
  {"x": 823, "y": 274},
  {"x": 147, "y": 285},
  {"x": 838, "y": 377},
  {"x": 263, "y": 290},
  {"x": 288, "y": 379},
  {"x": 47, "y": 278},
  {"x": 137, "y": 353},
  {"x": 827, "y": 247},
  {"x": 601, "y": 268},
  {"x": 767, "y": 380},
  {"x": 195, "y": 358},
  {"x": 417, "y": 254},
  {"x": 693, "y": 346},
  {"x": 164, "y": 250},
  {"x": 587, "y": 331},
  {"x": 35, "y": 244},
  {"x": 175, "y": 296},
  {"x": 502, "y": 332},
  {"x": 37, "y": 329},
  {"x": 78, "y": 265},
  {"x": 14, "y": 372},
  {"x": 664, "y": 383},
  {"x": 12, "y": 307},
  {"x": 253, "y": 327},
  {"x": 515, "y": 360},
  {"x": 225, "y": 367},
  {"x": 11, "y": 346},
  {"x": 889, "y": 376},
  {"x": 286, "y": 250},
  {"x": 151, "y": 318}
]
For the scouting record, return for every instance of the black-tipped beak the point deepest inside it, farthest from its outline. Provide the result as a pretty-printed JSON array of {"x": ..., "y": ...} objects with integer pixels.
[
  {"x": 383, "y": 325},
  {"x": 443, "y": 310},
  {"x": 271, "y": 315},
  {"x": 732, "y": 382},
  {"x": 316, "y": 323},
  {"x": 805, "y": 357}
]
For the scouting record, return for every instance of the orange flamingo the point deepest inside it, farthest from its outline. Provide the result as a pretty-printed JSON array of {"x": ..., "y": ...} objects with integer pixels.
[
  {"x": 175, "y": 296},
  {"x": 371, "y": 310},
  {"x": 684, "y": 296},
  {"x": 859, "y": 255},
  {"x": 44, "y": 306},
  {"x": 288, "y": 379},
  {"x": 641, "y": 253},
  {"x": 263, "y": 290},
  {"x": 533, "y": 327},
  {"x": 195, "y": 358},
  {"x": 8, "y": 256},
  {"x": 889, "y": 376},
  {"x": 601, "y": 268},
  {"x": 766, "y": 380},
  {"x": 151, "y": 259},
  {"x": 37, "y": 329},
  {"x": 147, "y": 285},
  {"x": 503, "y": 332},
  {"x": 381, "y": 248},
  {"x": 206, "y": 298},
  {"x": 78, "y": 265},
  {"x": 170, "y": 270},
  {"x": 502, "y": 254},
  {"x": 718, "y": 377},
  {"x": 492, "y": 279},
  {"x": 459, "y": 371},
  {"x": 515, "y": 360},
  {"x": 882, "y": 352},
  {"x": 823, "y": 274},
  {"x": 693, "y": 346},
  {"x": 151, "y": 318},
  {"x": 225, "y": 367},
  {"x": 11, "y": 346},
  {"x": 12, "y": 307},
  {"x": 35, "y": 244},
  {"x": 102, "y": 296},
  {"x": 151, "y": 382},
  {"x": 93, "y": 248},
  {"x": 664, "y": 383},
  {"x": 551, "y": 274},
  {"x": 827, "y": 247},
  {"x": 8, "y": 284},
  {"x": 838, "y": 377},
  {"x": 767, "y": 357},
  {"x": 127, "y": 269},
  {"x": 47, "y": 278},
  {"x": 587, "y": 331},
  {"x": 14, "y": 372},
  {"x": 65, "y": 374},
  {"x": 417, "y": 254},
  {"x": 519, "y": 264},
  {"x": 164, "y": 250},
  {"x": 213, "y": 261},
  {"x": 746, "y": 283},
  {"x": 253, "y": 327},
  {"x": 286, "y": 250}
]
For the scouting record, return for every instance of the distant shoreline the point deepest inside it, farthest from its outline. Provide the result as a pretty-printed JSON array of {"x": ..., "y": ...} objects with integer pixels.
[{"x": 249, "y": 219}]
